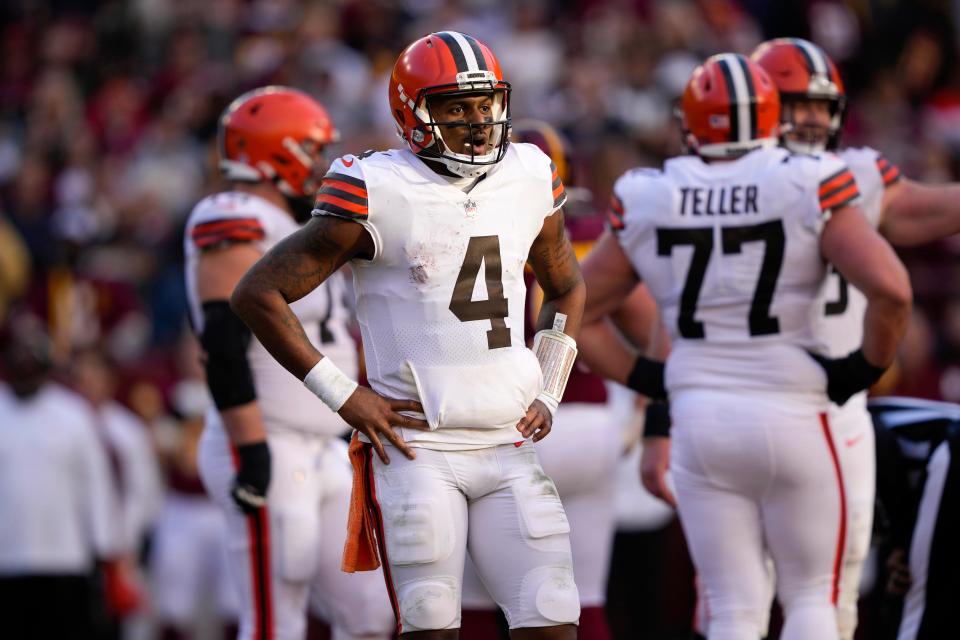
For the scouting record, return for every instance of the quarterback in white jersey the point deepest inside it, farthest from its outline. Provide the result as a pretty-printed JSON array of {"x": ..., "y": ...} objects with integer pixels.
[
  {"x": 438, "y": 234},
  {"x": 270, "y": 455},
  {"x": 731, "y": 243},
  {"x": 905, "y": 213}
]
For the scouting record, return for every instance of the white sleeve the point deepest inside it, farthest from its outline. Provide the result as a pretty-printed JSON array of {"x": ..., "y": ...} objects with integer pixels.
[
  {"x": 343, "y": 194},
  {"x": 102, "y": 510}
]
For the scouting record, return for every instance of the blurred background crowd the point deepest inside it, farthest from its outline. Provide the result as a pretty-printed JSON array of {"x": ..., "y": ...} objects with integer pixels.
[{"x": 108, "y": 119}]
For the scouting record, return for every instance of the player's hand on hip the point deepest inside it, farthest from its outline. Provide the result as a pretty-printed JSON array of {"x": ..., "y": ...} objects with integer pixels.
[
  {"x": 375, "y": 416},
  {"x": 537, "y": 422},
  {"x": 654, "y": 462},
  {"x": 249, "y": 489}
]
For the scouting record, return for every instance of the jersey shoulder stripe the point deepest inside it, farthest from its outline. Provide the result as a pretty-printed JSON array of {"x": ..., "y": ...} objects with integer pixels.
[
  {"x": 838, "y": 190},
  {"x": 559, "y": 192},
  {"x": 889, "y": 172},
  {"x": 225, "y": 230},
  {"x": 615, "y": 213},
  {"x": 342, "y": 195}
]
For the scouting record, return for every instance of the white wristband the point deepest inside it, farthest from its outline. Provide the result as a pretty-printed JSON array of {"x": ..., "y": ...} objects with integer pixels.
[
  {"x": 556, "y": 352},
  {"x": 330, "y": 384}
]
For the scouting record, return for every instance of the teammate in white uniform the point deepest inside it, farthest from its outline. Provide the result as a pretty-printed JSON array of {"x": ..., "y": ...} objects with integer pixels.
[
  {"x": 269, "y": 446},
  {"x": 438, "y": 235},
  {"x": 731, "y": 243},
  {"x": 905, "y": 212}
]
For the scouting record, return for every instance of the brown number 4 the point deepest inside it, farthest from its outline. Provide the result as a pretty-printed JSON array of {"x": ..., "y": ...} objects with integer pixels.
[{"x": 485, "y": 250}]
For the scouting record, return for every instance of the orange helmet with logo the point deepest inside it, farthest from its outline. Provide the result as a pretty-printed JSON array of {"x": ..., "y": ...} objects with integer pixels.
[
  {"x": 730, "y": 107},
  {"x": 802, "y": 71},
  {"x": 445, "y": 63},
  {"x": 276, "y": 134}
]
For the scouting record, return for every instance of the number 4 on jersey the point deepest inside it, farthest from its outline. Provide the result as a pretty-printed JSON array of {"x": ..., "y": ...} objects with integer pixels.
[{"x": 483, "y": 250}]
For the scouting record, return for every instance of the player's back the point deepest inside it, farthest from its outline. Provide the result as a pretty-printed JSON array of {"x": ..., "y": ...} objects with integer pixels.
[
  {"x": 233, "y": 217},
  {"x": 730, "y": 250}
]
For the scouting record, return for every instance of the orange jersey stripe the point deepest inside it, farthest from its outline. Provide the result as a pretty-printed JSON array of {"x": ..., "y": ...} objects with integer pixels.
[
  {"x": 343, "y": 204},
  {"x": 207, "y": 240},
  {"x": 343, "y": 186},
  {"x": 890, "y": 176},
  {"x": 616, "y": 205},
  {"x": 616, "y": 222},
  {"x": 228, "y": 223},
  {"x": 558, "y": 191},
  {"x": 841, "y": 197},
  {"x": 833, "y": 182}
]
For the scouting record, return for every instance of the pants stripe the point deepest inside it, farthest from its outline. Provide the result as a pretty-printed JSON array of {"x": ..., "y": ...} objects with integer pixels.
[
  {"x": 842, "y": 534},
  {"x": 258, "y": 534}
]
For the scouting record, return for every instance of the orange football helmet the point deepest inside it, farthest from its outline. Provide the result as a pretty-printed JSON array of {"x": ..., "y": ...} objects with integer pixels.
[
  {"x": 448, "y": 62},
  {"x": 730, "y": 107},
  {"x": 276, "y": 134},
  {"x": 802, "y": 71}
]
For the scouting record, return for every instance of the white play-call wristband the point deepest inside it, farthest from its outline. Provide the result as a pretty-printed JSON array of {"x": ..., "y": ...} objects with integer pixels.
[
  {"x": 556, "y": 352},
  {"x": 330, "y": 384}
]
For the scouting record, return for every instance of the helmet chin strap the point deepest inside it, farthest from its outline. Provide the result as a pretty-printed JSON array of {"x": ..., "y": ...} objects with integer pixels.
[{"x": 457, "y": 168}]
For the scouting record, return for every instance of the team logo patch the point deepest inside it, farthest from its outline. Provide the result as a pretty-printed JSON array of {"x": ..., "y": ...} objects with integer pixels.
[{"x": 470, "y": 208}]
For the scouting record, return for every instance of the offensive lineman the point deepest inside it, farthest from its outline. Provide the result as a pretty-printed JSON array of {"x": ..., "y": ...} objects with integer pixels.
[
  {"x": 731, "y": 242},
  {"x": 269, "y": 455},
  {"x": 905, "y": 212},
  {"x": 438, "y": 235}
]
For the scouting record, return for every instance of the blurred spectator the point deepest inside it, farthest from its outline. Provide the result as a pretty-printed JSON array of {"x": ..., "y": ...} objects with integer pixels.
[
  {"x": 56, "y": 502},
  {"x": 134, "y": 465}
]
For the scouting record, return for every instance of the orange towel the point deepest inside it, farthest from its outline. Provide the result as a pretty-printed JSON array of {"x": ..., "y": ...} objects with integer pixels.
[{"x": 360, "y": 548}]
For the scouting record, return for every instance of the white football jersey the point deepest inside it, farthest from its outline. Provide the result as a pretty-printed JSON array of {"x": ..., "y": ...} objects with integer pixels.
[
  {"x": 441, "y": 304},
  {"x": 731, "y": 252},
  {"x": 284, "y": 401},
  {"x": 840, "y": 328}
]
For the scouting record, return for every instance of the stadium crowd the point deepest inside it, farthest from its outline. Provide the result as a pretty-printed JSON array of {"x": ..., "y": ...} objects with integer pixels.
[{"x": 108, "y": 121}]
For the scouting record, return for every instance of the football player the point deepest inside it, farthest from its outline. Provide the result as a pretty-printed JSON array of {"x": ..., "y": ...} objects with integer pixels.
[
  {"x": 270, "y": 454},
  {"x": 438, "y": 234},
  {"x": 905, "y": 212},
  {"x": 731, "y": 243}
]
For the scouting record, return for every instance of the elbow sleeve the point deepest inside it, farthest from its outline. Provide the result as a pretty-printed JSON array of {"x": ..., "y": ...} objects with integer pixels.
[{"x": 225, "y": 340}]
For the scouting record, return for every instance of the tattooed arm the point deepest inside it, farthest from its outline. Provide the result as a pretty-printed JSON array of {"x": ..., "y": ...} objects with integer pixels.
[
  {"x": 292, "y": 269},
  {"x": 558, "y": 274}
]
